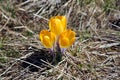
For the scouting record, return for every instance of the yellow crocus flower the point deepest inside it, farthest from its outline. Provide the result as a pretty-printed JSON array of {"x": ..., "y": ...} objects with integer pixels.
[
  {"x": 58, "y": 24},
  {"x": 66, "y": 38},
  {"x": 47, "y": 38}
]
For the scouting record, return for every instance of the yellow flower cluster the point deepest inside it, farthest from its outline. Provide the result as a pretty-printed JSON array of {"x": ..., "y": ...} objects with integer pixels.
[{"x": 58, "y": 33}]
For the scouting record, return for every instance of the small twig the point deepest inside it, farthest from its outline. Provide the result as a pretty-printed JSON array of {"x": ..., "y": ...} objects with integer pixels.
[
  {"x": 4, "y": 16},
  {"x": 109, "y": 45},
  {"x": 16, "y": 33},
  {"x": 24, "y": 3},
  {"x": 40, "y": 17},
  {"x": 19, "y": 27},
  {"x": 95, "y": 37},
  {"x": 4, "y": 25},
  {"x": 118, "y": 27},
  {"x": 113, "y": 53},
  {"x": 8, "y": 68},
  {"x": 28, "y": 63},
  {"x": 99, "y": 54},
  {"x": 109, "y": 59}
]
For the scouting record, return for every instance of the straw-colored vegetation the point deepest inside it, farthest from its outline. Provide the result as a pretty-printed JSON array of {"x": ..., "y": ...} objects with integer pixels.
[{"x": 95, "y": 55}]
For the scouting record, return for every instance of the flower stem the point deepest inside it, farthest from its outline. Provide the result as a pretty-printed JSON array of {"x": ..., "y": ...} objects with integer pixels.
[
  {"x": 58, "y": 54},
  {"x": 53, "y": 55}
]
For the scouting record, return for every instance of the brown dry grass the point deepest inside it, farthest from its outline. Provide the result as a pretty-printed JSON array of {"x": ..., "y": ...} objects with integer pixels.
[{"x": 94, "y": 56}]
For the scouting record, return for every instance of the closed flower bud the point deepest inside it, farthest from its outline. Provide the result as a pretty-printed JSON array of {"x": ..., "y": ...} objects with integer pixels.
[
  {"x": 66, "y": 38},
  {"x": 47, "y": 38},
  {"x": 58, "y": 24}
]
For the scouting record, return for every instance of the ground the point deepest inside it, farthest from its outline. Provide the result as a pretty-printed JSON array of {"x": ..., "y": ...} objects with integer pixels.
[{"x": 95, "y": 55}]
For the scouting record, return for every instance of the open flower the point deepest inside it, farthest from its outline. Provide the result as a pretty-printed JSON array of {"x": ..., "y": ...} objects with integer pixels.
[
  {"x": 58, "y": 38},
  {"x": 66, "y": 38},
  {"x": 47, "y": 38},
  {"x": 58, "y": 24}
]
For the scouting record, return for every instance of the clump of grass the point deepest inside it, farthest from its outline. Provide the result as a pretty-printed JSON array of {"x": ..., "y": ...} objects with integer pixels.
[
  {"x": 6, "y": 54},
  {"x": 8, "y": 8},
  {"x": 3, "y": 59},
  {"x": 84, "y": 34},
  {"x": 109, "y": 5},
  {"x": 12, "y": 53},
  {"x": 28, "y": 34},
  {"x": 1, "y": 42}
]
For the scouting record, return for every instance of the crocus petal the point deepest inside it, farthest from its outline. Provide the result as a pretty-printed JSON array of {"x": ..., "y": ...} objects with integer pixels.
[
  {"x": 43, "y": 33},
  {"x": 66, "y": 38},
  {"x": 47, "y": 42},
  {"x": 72, "y": 41},
  {"x": 47, "y": 38},
  {"x": 64, "y": 42},
  {"x": 57, "y": 24},
  {"x": 63, "y": 21}
]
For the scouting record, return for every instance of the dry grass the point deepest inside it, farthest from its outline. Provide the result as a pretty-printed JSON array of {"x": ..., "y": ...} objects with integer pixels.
[{"x": 94, "y": 56}]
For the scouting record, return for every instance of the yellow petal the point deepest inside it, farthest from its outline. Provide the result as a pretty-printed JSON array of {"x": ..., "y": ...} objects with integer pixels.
[
  {"x": 43, "y": 33},
  {"x": 64, "y": 42},
  {"x": 71, "y": 34},
  {"x": 57, "y": 24},
  {"x": 52, "y": 37},
  {"x": 71, "y": 41},
  {"x": 67, "y": 38},
  {"x": 47, "y": 42},
  {"x": 47, "y": 38},
  {"x": 63, "y": 21}
]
